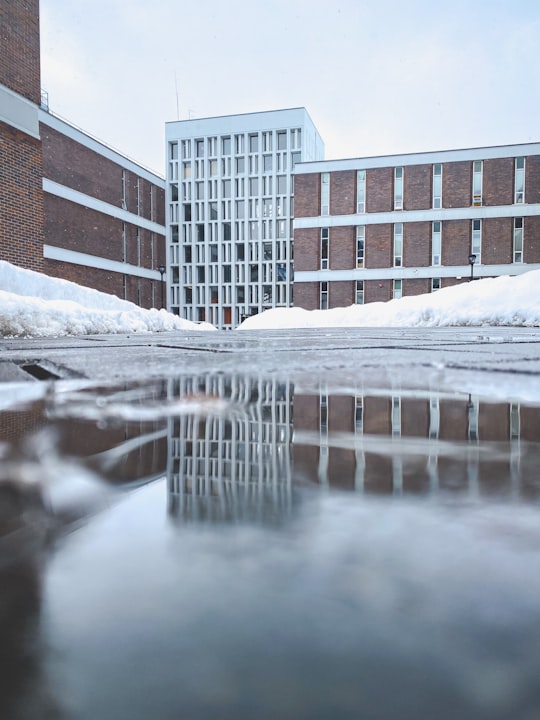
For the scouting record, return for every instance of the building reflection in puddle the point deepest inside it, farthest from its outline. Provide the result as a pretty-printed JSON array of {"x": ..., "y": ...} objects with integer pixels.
[{"x": 372, "y": 443}]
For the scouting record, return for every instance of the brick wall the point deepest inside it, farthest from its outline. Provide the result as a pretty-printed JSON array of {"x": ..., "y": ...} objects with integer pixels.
[
  {"x": 498, "y": 181},
  {"x": 380, "y": 190},
  {"x": 307, "y": 195},
  {"x": 378, "y": 245},
  {"x": 417, "y": 244},
  {"x": 341, "y": 294},
  {"x": 342, "y": 248},
  {"x": 532, "y": 179},
  {"x": 531, "y": 243},
  {"x": 497, "y": 240},
  {"x": 417, "y": 187},
  {"x": 20, "y": 51},
  {"x": 457, "y": 184},
  {"x": 307, "y": 249},
  {"x": 21, "y": 199},
  {"x": 412, "y": 286},
  {"x": 377, "y": 290},
  {"x": 307, "y": 295},
  {"x": 456, "y": 242},
  {"x": 343, "y": 192}
]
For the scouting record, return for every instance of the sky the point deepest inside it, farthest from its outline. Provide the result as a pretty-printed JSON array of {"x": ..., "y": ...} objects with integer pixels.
[
  {"x": 377, "y": 76},
  {"x": 35, "y": 305}
]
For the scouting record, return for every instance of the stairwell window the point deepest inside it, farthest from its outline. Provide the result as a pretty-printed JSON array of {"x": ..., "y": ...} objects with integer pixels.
[
  {"x": 477, "y": 183},
  {"x": 398, "y": 188},
  {"x": 518, "y": 240},
  {"x": 397, "y": 289},
  {"x": 437, "y": 185},
  {"x": 325, "y": 233},
  {"x": 519, "y": 180},
  {"x": 359, "y": 292},
  {"x": 325, "y": 193}
]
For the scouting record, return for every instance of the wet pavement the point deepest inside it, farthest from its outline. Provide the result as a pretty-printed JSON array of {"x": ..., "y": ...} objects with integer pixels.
[{"x": 292, "y": 524}]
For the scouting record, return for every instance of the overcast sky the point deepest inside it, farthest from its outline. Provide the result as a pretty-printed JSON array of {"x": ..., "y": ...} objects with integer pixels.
[{"x": 376, "y": 76}]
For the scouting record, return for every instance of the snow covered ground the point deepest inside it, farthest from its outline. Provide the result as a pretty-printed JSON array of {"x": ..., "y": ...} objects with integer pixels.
[
  {"x": 35, "y": 305},
  {"x": 510, "y": 301}
]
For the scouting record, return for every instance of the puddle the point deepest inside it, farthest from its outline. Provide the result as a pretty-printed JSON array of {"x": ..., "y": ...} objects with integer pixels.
[{"x": 229, "y": 546}]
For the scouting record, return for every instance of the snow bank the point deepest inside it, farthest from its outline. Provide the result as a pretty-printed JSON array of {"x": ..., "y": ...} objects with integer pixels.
[
  {"x": 35, "y": 305},
  {"x": 511, "y": 301}
]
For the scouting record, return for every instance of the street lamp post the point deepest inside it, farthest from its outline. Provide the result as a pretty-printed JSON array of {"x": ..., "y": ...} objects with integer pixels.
[
  {"x": 161, "y": 270},
  {"x": 472, "y": 260}
]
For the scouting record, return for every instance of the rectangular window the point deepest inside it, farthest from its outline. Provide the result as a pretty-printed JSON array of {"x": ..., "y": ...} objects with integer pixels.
[
  {"x": 281, "y": 182},
  {"x": 437, "y": 185},
  {"x": 359, "y": 292},
  {"x": 518, "y": 240},
  {"x": 212, "y": 168},
  {"x": 282, "y": 140},
  {"x": 360, "y": 245},
  {"x": 239, "y": 144},
  {"x": 324, "y": 248},
  {"x": 398, "y": 188},
  {"x": 477, "y": 183},
  {"x": 435, "y": 284},
  {"x": 397, "y": 289},
  {"x": 225, "y": 145},
  {"x": 173, "y": 151},
  {"x": 267, "y": 163},
  {"x": 519, "y": 180},
  {"x": 325, "y": 193},
  {"x": 398, "y": 244},
  {"x": 226, "y": 188},
  {"x": 476, "y": 239},
  {"x": 324, "y": 296},
  {"x": 240, "y": 164},
  {"x": 253, "y": 186},
  {"x": 361, "y": 191},
  {"x": 267, "y": 141},
  {"x": 253, "y": 143},
  {"x": 186, "y": 148},
  {"x": 436, "y": 245},
  {"x": 199, "y": 148},
  {"x": 212, "y": 147}
]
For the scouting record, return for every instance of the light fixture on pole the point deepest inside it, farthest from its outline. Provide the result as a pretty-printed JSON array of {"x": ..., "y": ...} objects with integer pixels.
[
  {"x": 161, "y": 270},
  {"x": 472, "y": 260}
]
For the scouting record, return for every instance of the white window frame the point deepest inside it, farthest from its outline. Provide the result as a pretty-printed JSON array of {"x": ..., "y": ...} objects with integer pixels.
[
  {"x": 398, "y": 188},
  {"x": 325, "y": 248},
  {"x": 324, "y": 295},
  {"x": 360, "y": 191},
  {"x": 476, "y": 239},
  {"x": 360, "y": 246},
  {"x": 397, "y": 289},
  {"x": 359, "y": 292},
  {"x": 517, "y": 250},
  {"x": 398, "y": 244},
  {"x": 519, "y": 180},
  {"x": 437, "y": 186},
  {"x": 436, "y": 242},
  {"x": 477, "y": 182},
  {"x": 325, "y": 193}
]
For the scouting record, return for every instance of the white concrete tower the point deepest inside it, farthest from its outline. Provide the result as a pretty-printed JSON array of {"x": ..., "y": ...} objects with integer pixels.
[{"x": 229, "y": 209}]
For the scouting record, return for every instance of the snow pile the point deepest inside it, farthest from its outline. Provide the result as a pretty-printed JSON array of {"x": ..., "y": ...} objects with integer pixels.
[
  {"x": 35, "y": 305},
  {"x": 512, "y": 301}
]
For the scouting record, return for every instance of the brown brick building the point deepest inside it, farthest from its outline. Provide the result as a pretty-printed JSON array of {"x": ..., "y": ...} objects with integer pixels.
[
  {"x": 70, "y": 206},
  {"x": 373, "y": 229}
]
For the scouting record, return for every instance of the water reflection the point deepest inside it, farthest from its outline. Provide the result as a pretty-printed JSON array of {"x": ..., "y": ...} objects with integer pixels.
[{"x": 267, "y": 552}]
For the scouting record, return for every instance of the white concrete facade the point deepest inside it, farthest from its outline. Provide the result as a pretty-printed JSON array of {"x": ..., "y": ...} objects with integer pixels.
[{"x": 229, "y": 210}]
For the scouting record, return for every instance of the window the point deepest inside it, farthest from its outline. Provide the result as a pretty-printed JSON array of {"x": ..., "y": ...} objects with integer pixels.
[
  {"x": 267, "y": 141},
  {"x": 267, "y": 163},
  {"x": 226, "y": 188},
  {"x": 398, "y": 244},
  {"x": 359, "y": 292},
  {"x": 240, "y": 164},
  {"x": 295, "y": 157},
  {"x": 212, "y": 147},
  {"x": 519, "y": 180},
  {"x": 282, "y": 140},
  {"x": 324, "y": 296},
  {"x": 212, "y": 168},
  {"x": 239, "y": 144},
  {"x": 477, "y": 183},
  {"x": 186, "y": 148},
  {"x": 324, "y": 248},
  {"x": 360, "y": 245},
  {"x": 173, "y": 151},
  {"x": 436, "y": 243},
  {"x": 398, "y": 188},
  {"x": 325, "y": 193},
  {"x": 186, "y": 170},
  {"x": 435, "y": 284},
  {"x": 281, "y": 182},
  {"x": 476, "y": 239},
  {"x": 226, "y": 146},
  {"x": 397, "y": 289},
  {"x": 361, "y": 191},
  {"x": 437, "y": 185},
  {"x": 199, "y": 148},
  {"x": 296, "y": 138},
  {"x": 518, "y": 240},
  {"x": 253, "y": 186},
  {"x": 253, "y": 143}
]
